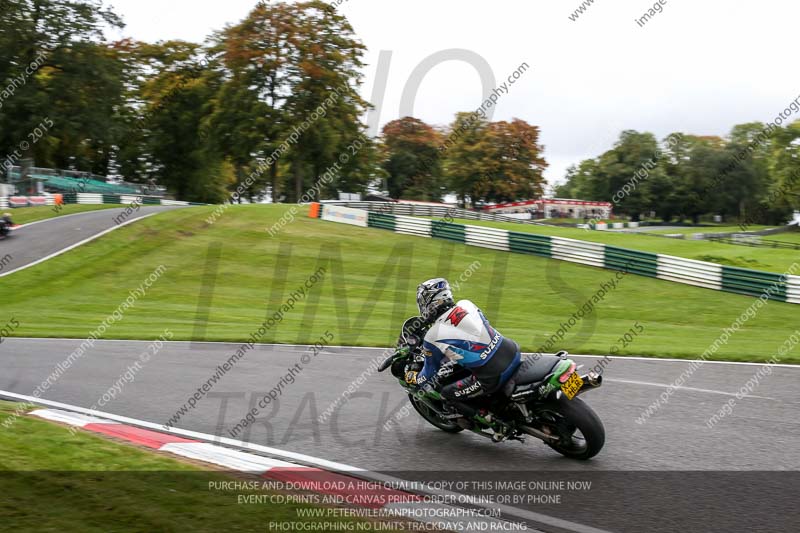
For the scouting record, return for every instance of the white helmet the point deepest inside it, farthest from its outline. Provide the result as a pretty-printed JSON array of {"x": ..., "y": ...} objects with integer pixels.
[{"x": 434, "y": 297}]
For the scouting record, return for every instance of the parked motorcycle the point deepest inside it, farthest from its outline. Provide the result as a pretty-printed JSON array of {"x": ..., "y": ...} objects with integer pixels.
[{"x": 540, "y": 400}]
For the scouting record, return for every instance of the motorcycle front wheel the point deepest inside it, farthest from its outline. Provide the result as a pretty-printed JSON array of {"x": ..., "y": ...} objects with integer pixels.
[{"x": 432, "y": 417}]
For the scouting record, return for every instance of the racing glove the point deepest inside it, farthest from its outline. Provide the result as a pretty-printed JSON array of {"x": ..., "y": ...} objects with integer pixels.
[{"x": 412, "y": 371}]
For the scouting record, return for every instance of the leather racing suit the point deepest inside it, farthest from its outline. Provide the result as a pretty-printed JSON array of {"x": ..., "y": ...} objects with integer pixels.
[{"x": 463, "y": 335}]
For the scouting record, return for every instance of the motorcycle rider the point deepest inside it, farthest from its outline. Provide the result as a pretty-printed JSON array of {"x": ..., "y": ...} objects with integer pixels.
[
  {"x": 460, "y": 333},
  {"x": 5, "y": 223}
]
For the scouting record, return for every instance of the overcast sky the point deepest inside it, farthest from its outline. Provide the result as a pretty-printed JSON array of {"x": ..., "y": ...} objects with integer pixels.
[{"x": 700, "y": 66}]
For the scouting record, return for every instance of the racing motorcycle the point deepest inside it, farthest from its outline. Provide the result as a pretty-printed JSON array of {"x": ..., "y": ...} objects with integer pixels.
[
  {"x": 540, "y": 400},
  {"x": 6, "y": 226}
]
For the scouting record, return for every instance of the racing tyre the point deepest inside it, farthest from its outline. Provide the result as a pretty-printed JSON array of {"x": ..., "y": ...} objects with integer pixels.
[{"x": 581, "y": 432}]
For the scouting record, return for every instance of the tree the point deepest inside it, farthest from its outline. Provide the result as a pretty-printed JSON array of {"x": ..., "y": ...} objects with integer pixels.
[
  {"x": 746, "y": 180},
  {"x": 249, "y": 118},
  {"x": 240, "y": 127},
  {"x": 629, "y": 167},
  {"x": 783, "y": 194},
  {"x": 752, "y": 174},
  {"x": 582, "y": 182},
  {"x": 705, "y": 164},
  {"x": 64, "y": 71},
  {"x": 296, "y": 67},
  {"x": 325, "y": 72},
  {"x": 467, "y": 152},
  {"x": 689, "y": 164},
  {"x": 515, "y": 166},
  {"x": 84, "y": 94},
  {"x": 410, "y": 158},
  {"x": 176, "y": 103}
]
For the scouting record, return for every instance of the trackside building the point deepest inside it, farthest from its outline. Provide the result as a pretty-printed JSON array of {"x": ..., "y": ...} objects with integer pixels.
[{"x": 555, "y": 208}]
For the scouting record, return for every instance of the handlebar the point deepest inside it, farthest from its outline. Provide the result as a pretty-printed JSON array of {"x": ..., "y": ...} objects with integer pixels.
[
  {"x": 387, "y": 363},
  {"x": 401, "y": 352}
]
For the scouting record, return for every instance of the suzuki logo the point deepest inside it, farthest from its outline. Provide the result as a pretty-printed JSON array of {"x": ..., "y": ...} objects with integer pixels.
[{"x": 492, "y": 345}]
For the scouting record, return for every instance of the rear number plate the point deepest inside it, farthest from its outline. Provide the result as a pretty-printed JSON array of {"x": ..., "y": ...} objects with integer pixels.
[{"x": 572, "y": 386}]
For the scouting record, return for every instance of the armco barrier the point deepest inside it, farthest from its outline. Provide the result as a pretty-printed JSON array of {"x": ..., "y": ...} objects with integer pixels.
[
  {"x": 750, "y": 282},
  {"x": 782, "y": 288},
  {"x": 18, "y": 201},
  {"x": 602, "y": 226},
  {"x": 793, "y": 290},
  {"x": 88, "y": 198},
  {"x": 634, "y": 261},
  {"x": 26, "y": 201},
  {"x": 585, "y": 253},
  {"x": 496, "y": 239},
  {"x": 37, "y": 201},
  {"x": 690, "y": 272},
  {"x": 421, "y": 210},
  {"x": 411, "y": 225}
]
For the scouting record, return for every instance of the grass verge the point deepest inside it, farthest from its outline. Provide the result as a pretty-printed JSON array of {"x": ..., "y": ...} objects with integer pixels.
[
  {"x": 25, "y": 215},
  {"x": 52, "y": 480},
  {"x": 792, "y": 237},
  {"x": 771, "y": 260},
  {"x": 368, "y": 290},
  {"x": 708, "y": 229}
]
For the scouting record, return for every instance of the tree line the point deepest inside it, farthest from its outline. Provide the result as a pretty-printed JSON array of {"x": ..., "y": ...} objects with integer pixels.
[
  {"x": 199, "y": 119},
  {"x": 751, "y": 175},
  {"x": 263, "y": 107},
  {"x": 268, "y": 105},
  {"x": 478, "y": 160}
]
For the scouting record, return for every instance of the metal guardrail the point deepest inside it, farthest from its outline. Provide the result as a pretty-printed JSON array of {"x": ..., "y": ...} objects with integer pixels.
[
  {"x": 757, "y": 243},
  {"x": 86, "y": 198},
  {"x": 420, "y": 210},
  {"x": 779, "y": 287}
]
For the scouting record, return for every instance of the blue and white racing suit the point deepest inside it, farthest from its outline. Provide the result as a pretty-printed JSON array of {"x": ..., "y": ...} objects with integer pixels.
[{"x": 462, "y": 334}]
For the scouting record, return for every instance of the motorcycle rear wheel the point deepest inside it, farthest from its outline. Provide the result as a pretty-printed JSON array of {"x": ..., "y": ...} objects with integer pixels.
[
  {"x": 448, "y": 426},
  {"x": 581, "y": 432}
]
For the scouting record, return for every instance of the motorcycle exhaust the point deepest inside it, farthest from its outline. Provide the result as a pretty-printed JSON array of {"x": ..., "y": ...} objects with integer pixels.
[{"x": 592, "y": 380}]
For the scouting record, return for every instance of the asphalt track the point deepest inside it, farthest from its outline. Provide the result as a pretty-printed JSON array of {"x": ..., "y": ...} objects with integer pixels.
[
  {"x": 42, "y": 239},
  {"x": 761, "y": 435},
  {"x": 668, "y": 473}
]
